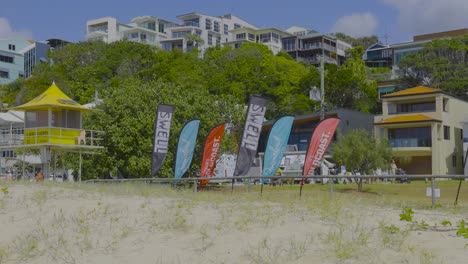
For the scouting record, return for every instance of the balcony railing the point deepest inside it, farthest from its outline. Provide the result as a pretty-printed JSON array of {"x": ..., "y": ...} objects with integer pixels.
[
  {"x": 191, "y": 24},
  {"x": 50, "y": 135},
  {"x": 98, "y": 29},
  {"x": 410, "y": 142}
]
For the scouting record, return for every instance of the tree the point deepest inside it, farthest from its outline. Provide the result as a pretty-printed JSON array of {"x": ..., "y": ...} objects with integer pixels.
[
  {"x": 364, "y": 42},
  {"x": 360, "y": 151},
  {"x": 442, "y": 64},
  {"x": 127, "y": 117},
  {"x": 252, "y": 69},
  {"x": 348, "y": 86}
]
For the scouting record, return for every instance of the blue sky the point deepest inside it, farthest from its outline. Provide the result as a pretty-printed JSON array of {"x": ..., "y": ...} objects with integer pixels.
[{"x": 399, "y": 19}]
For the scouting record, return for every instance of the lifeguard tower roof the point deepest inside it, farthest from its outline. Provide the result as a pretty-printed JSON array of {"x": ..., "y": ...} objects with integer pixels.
[{"x": 52, "y": 97}]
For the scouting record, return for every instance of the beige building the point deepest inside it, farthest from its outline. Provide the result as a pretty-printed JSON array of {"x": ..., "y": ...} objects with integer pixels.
[{"x": 423, "y": 126}]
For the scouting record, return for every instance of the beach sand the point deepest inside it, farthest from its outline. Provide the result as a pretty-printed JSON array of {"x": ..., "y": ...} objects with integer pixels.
[{"x": 42, "y": 223}]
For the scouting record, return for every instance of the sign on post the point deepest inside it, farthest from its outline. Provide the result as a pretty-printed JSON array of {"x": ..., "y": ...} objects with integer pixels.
[{"x": 429, "y": 192}]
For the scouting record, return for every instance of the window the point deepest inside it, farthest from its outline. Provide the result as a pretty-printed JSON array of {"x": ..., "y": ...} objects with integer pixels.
[
  {"x": 445, "y": 104},
  {"x": 216, "y": 26},
  {"x": 410, "y": 137},
  {"x": 210, "y": 39},
  {"x": 8, "y": 154},
  {"x": 4, "y": 74},
  {"x": 226, "y": 29},
  {"x": 251, "y": 37},
  {"x": 416, "y": 107},
  {"x": 208, "y": 24},
  {"x": 6, "y": 59},
  {"x": 289, "y": 44},
  {"x": 152, "y": 25},
  {"x": 161, "y": 28},
  {"x": 11, "y": 47},
  {"x": 195, "y": 22},
  {"x": 218, "y": 40},
  {"x": 446, "y": 132},
  {"x": 454, "y": 161},
  {"x": 266, "y": 37},
  {"x": 236, "y": 26},
  {"x": 240, "y": 36}
]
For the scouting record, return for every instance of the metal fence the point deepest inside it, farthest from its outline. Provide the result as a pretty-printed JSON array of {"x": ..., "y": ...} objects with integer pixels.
[{"x": 249, "y": 180}]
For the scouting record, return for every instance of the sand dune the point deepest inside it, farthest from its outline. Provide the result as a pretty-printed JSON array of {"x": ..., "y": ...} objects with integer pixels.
[{"x": 152, "y": 224}]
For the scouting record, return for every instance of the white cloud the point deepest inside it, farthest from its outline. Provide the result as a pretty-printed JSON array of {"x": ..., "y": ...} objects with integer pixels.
[
  {"x": 7, "y": 32},
  {"x": 429, "y": 16},
  {"x": 356, "y": 25}
]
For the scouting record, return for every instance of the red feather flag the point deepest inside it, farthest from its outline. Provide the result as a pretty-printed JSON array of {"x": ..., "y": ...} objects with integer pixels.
[{"x": 210, "y": 153}]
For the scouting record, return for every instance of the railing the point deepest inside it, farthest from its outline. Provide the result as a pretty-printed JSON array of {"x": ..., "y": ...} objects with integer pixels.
[
  {"x": 49, "y": 135},
  {"x": 11, "y": 136},
  {"x": 248, "y": 180},
  {"x": 191, "y": 24},
  {"x": 97, "y": 29}
]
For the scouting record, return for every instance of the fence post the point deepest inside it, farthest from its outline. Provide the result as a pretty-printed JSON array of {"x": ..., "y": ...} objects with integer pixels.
[
  {"x": 433, "y": 191},
  {"x": 249, "y": 187},
  {"x": 195, "y": 186}
]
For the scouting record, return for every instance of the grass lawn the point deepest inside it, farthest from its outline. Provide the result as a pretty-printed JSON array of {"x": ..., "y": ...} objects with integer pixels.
[{"x": 380, "y": 193}]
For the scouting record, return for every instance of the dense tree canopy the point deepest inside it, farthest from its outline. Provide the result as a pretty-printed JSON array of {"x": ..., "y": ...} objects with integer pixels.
[
  {"x": 348, "y": 85},
  {"x": 442, "y": 63},
  {"x": 364, "y": 42},
  {"x": 133, "y": 79}
]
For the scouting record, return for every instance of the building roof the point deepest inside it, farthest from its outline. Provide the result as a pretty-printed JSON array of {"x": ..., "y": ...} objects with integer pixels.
[
  {"x": 10, "y": 117},
  {"x": 407, "y": 119},
  {"x": 52, "y": 97},
  {"x": 413, "y": 91}
]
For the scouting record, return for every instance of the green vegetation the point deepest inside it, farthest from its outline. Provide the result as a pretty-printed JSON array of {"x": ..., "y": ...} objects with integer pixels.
[
  {"x": 442, "y": 63},
  {"x": 364, "y": 42},
  {"x": 133, "y": 79},
  {"x": 463, "y": 229},
  {"x": 360, "y": 151}
]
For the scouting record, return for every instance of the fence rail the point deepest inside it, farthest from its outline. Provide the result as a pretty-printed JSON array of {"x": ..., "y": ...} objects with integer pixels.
[{"x": 251, "y": 179}]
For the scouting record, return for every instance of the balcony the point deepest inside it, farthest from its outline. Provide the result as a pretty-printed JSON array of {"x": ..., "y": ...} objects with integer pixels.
[
  {"x": 97, "y": 29},
  {"x": 410, "y": 142},
  {"x": 191, "y": 24},
  {"x": 50, "y": 136}
]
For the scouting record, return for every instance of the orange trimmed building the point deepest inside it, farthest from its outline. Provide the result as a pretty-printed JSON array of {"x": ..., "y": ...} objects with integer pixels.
[{"x": 423, "y": 126}]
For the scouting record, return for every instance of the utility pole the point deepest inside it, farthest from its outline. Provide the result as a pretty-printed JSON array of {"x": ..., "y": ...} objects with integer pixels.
[
  {"x": 322, "y": 89},
  {"x": 322, "y": 112}
]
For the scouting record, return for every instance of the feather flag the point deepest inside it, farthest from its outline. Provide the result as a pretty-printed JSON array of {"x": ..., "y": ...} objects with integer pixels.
[
  {"x": 186, "y": 147},
  {"x": 276, "y": 145},
  {"x": 210, "y": 153},
  {"x": 319, "y": 142},
  {"x": 251, "y": 135},
  {"x": 162, "y": 128}
]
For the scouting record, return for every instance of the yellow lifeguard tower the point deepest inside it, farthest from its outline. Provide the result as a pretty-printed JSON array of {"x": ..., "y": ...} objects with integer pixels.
[{"x": 53, "y": 121}]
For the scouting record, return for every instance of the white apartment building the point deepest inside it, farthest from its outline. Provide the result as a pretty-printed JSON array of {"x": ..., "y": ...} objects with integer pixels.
[
  {"x": 311, "y": 46},
  {"x": 271, "y": 37},
  {"x": 146, "y": 29},
  {"x": 195, "y": 30}
]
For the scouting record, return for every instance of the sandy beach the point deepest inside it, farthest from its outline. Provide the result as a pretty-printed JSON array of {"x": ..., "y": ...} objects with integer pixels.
[{"x": 79, "y": 223}]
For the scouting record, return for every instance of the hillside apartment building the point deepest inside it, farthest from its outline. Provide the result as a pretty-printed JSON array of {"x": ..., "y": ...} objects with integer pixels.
[
  {"x": 203, "y": 31},
  {"x": 18, "y": 57},
  {"x": 207, "y": 31},
  {"x": 424, "y": 129}
]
